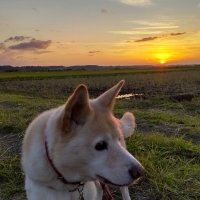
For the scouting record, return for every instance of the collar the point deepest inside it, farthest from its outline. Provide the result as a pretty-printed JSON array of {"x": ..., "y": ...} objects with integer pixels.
[
  {"x": 106, "y": 192},
  {"x": 59, "y": 175}
]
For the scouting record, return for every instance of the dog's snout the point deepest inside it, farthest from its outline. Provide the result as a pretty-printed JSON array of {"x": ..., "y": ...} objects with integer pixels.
[{"x": 136, "y": 171}]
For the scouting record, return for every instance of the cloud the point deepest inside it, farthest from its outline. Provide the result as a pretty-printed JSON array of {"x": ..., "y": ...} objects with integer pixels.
[
  {"x": 42, "y": 52},
  {"x": 198, "y": 5},
  {"x": 136, "y": 2},
  {"x": 36, "y": 29},
  {"x": 2, "y": 46},
  {"x": 135, "y": 32},
  {"x": 154, "y": 25},
  {"x": 177, "y": 34},
  {"x": 8, "y": 55},
  {"x": 147, "y": 23},
  {"x": 104, "y": 11},
  {"x": 92, "y": 52},
  {"x": 147, "y": 39},
  {"x": 157, "y": 27},
  {"x": 159, "y": 37},
  {"x": 16, "y": 39},
  {"x": 32, "y": 45},
  {"x": 55, "y": 31}
]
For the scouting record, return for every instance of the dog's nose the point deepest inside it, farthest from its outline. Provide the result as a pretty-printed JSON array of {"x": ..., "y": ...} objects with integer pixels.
[{"x": 136, "y": 171}]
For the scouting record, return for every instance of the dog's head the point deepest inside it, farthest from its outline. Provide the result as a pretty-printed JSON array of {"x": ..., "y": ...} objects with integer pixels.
[{"x": 89, "y": 140}]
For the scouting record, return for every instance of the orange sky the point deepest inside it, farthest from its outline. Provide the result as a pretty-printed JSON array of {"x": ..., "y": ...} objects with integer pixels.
[{"x": 101, "y": 32}]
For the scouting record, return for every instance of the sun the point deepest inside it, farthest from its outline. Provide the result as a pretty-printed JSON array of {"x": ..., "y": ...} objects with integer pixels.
[
  {"x": 162, "y": 58},
  {"x": 162, "y": 62}
]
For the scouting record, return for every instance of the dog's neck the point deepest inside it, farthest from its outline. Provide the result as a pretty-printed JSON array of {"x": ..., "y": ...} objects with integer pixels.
[{"x": 59, "y": 175}]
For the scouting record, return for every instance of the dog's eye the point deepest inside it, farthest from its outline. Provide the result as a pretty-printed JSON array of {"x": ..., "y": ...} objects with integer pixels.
[{"x": 101, "y": 146}]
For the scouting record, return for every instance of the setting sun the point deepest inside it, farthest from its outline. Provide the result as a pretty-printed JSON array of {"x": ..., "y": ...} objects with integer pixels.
[
  {"x": 162, "y": 57},
  {"x": 162, "y": 62},
  {"x": 154, "y": 35}
]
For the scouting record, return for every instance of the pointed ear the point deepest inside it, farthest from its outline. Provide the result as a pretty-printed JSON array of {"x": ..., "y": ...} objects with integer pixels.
[
  {"x": 76, "y": 110},
  {"x": 107, "y": 99},
  {"x": 128, "y": 124}
]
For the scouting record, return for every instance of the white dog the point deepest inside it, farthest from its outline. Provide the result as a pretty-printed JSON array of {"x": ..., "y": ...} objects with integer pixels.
[{"x": 68, "y": 150}]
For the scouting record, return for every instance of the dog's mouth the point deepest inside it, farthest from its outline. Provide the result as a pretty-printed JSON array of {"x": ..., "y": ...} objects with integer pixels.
[{"x": 106, "y": 181}]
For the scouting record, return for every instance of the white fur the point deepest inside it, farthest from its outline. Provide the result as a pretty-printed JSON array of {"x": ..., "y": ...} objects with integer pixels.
[
  {"x": 72, "y": 132},
  {"x": 128, "y": 124}
]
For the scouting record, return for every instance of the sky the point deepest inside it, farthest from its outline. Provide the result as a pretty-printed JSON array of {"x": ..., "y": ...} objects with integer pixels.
[{"x": 99, "y": 32}]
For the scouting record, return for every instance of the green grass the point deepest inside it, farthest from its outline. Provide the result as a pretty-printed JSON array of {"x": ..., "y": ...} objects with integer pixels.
[
  {"x": 17, "y": 111},
  {"x": 165, "y": 117},
  {"x": 62, "y": 74},
  {"x": 167, "y": 140},
  {"x": 172, "y": 166},
  {"x": 150, "y": 84},
  {"x": 69, "y": 73},
  {"x": 11, "y": 176}
]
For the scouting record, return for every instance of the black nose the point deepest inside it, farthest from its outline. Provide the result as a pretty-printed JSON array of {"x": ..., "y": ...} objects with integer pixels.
[{"x": 136, "y": 171}]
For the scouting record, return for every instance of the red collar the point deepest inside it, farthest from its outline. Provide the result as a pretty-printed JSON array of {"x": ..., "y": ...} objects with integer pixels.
[
  {"x": 106, "y": 192},
  {"x": 60, "y": 177}
]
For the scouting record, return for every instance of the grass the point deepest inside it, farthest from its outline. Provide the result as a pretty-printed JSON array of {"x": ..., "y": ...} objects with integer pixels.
[
  {"x": 166, "y": 141},
  {"x": 149, "y": 84},
  {"x": 11, "y": 176},
  {"x": 172, "y": 165},
  {"x": 17, "y": 111},
  {"x": 80, "y": 73}
]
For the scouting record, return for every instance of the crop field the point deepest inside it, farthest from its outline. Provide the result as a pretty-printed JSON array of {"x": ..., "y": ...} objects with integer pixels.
[
  {"x": 167, "y": 112},
  {"x": 78, "y": 73}
]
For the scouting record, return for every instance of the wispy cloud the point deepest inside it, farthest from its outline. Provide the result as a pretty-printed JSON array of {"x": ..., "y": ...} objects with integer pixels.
[
  {"x": 147, "y": 39},
  {"x": 104, "y": 11},
  {"x": 177, "y": 34},
  {"x": 154, "y": 25},
  {"x": 2, "y": 46},
  {"x": 55, "y": 31},
  {"x": 6, "y": 55},
  {"x": 136, "y": 2},
  {"x": 42, "y": 52},
  {"x": 32, "y": 45},
  {"x": 135, "y": 32},
  {"x": 157, "y": 27},
  {"x": 92, "y": 52},
  {"x": 149, "y": 23},
  {"x": 17, "y": 39}
]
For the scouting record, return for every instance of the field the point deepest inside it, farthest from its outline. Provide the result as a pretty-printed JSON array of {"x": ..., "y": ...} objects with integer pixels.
[{"x": 167, "y": 111}]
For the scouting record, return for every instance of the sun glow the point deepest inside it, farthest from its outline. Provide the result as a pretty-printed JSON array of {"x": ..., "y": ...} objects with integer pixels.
[{"x": 162, "y": 57}]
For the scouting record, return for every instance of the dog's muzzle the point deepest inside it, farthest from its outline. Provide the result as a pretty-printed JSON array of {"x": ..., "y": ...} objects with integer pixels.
[{"x": 136, "y": 171}]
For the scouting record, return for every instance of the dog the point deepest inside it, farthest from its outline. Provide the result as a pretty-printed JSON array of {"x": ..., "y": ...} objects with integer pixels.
[{"x": 68, "y": 151}]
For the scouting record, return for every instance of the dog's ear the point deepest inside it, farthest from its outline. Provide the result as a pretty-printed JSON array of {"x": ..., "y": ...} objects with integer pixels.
[
  {"x": 128, "y": 124},
  {"x": 76, "y": 110},
  {"x": 107, "y": 99}
]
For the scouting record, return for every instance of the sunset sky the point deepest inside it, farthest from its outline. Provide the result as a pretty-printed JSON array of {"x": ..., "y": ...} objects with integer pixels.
[{"x": 100, "y": 32}]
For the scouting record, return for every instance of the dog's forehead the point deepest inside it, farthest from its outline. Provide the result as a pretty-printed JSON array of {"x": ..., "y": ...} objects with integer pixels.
[{"x": 105, "y": 122}]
